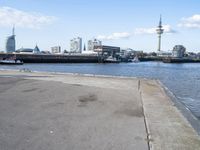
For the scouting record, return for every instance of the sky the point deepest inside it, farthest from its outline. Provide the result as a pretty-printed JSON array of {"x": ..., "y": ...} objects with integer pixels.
[{"x": 123, "y": 23}]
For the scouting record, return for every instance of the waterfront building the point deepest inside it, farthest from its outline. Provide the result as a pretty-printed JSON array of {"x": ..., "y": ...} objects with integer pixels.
[
  {"x": 94, "y": 43},
  {"x": 198, "y": 55},
  {"x": 191, "y": 55},
  {"x": 178, "y": 51},
  {"x": 164, "y": 53},
  {"x": 45, "y": 52},
  {"x": 56, "y": 50},
  {"x": 107, "y": 50},
  {"x": 127, "y": 52},
  {"x": 22, "y": 50},
  {"x": 10, "y": 42},
  {"x": 76, "y": 45},
  {"x": 159, "y": 31}
]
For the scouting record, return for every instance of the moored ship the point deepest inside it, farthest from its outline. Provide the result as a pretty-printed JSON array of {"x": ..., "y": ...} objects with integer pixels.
[{"x": 11, "y": 62}]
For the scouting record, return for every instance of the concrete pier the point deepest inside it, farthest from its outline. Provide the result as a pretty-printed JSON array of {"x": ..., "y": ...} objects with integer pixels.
[
  {"x": 53, "y": 58},
  {"x": 40, "y": 111}
]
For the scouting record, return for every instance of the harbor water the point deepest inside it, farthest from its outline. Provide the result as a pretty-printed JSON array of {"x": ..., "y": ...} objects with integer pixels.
[{"x": 183, "y": 80}]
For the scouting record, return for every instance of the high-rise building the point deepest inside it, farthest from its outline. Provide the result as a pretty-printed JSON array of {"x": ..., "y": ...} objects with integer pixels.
[
  {"x": 159, "y": 31},
  {"x": 10, "y": 42},
  {"x": 56, "y": 50},
  {"x": 93, "y": 43},
  {"x": 178, "y": 51},
  {"x": 76, "y": 45}
]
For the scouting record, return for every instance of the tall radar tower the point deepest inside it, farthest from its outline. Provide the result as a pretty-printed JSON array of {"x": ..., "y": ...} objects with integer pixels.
[{"x": 159, "y": 31}]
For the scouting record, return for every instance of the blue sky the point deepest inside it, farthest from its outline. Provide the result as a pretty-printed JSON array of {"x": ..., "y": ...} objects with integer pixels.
[{"x": 124, "y": 23}]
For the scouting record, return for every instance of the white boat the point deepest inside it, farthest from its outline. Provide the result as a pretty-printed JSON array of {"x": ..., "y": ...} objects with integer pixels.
[
  {"x": 135, "y": 59},
  {"x": 11, "y": 62},
  {"x": 110, "y": 59}
]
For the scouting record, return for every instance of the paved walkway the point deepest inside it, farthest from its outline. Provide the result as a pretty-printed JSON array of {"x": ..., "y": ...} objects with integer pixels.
[{"x": 40, "y": 111}]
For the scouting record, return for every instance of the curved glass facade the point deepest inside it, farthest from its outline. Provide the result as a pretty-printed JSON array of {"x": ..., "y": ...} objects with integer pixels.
[{"x": 10, "y": 44}]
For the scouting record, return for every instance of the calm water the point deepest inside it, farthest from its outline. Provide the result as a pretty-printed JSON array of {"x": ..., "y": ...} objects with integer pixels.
[{"x": 182, "y": 79}]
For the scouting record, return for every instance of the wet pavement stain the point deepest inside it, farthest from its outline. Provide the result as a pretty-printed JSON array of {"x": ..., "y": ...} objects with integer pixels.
[
  {"x": 30, "y": 90},
  {"x": 130, "y": 112},
  {"x": 88, "y": 98}
]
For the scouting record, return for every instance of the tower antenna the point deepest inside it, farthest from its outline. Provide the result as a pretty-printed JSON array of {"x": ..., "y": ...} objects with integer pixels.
[
  {"x": 159, "y": 31},
  {"x": 13, "y": 30}
]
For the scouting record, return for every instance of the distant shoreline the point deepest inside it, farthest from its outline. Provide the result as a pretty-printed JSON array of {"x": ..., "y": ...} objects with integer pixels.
[{"x": 83, "y": 58}]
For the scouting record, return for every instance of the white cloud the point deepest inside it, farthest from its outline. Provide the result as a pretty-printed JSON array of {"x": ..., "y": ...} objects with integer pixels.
[
  {"x": 114, "y": 36},
  {"x": 10, "y": 16},
  {"x": 145, "y": 31},
  {"x": 190, "y": 22},
  {"x": 124, "y": 35},
  {"x": 167, "y": 29}
]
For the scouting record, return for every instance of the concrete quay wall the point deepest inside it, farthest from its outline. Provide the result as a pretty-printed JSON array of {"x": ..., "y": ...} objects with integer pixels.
[
  {"x": 72, "y": 111},
  {"x": 47, "y": 58}
]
